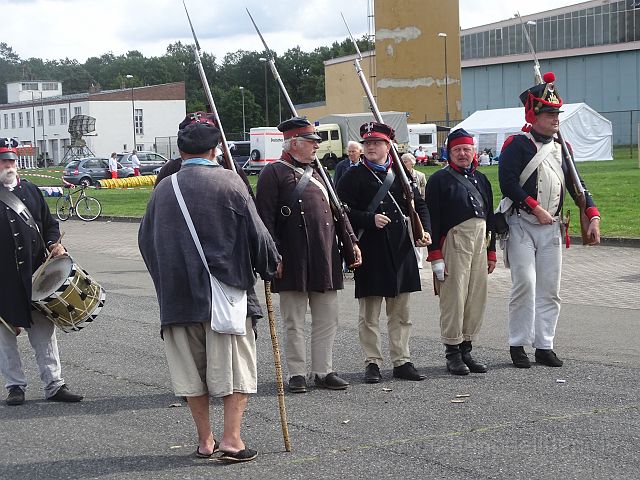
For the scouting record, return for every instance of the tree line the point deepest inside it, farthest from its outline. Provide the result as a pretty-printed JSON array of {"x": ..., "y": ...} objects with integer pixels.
[{"x": 302, "y": 74}]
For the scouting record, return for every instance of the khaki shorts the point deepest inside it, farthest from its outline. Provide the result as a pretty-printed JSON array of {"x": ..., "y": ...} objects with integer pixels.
[{"x": 202, "y": 361}]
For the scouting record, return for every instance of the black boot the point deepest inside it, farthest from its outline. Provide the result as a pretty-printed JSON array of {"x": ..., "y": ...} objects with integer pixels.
[
  {"x": 519, "y": 357},
  {"x": 474, "y": 366},
  {"x": 547, "y": 357},
  {"x": 455, "y": 365}
]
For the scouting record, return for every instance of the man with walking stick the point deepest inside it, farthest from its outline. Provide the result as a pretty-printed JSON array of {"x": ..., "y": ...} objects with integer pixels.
[{"x": 202, "y": 261}]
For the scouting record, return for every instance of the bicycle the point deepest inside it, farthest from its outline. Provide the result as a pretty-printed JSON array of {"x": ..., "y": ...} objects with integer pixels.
[{"x": 87, "y": 208}]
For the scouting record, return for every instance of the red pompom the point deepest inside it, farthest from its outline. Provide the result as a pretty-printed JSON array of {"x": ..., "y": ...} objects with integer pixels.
[{"x": 549, "y": 77}]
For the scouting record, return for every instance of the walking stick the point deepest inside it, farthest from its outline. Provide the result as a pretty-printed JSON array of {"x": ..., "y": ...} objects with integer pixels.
[{"x": 278, "y": 365}]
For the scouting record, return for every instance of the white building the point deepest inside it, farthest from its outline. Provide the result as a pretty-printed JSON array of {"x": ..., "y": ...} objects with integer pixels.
[{"x": 38, "y": 113}]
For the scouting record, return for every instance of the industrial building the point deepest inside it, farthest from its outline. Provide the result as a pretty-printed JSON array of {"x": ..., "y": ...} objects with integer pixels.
[
  {"x": 440, "y": 74},
  {"x": 37, "y": 113}
]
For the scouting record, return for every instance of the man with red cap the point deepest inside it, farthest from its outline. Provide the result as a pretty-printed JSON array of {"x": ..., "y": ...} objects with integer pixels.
[
  {"x": 378, "y": 210},
  {"x": 25, "y": 240},
  {"x": 294, "y": 204},
  {"x": 534, "y": 176},
  {"x": 460, "y": 202}
]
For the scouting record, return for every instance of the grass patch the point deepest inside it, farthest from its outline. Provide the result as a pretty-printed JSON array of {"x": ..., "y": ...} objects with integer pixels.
[{"x": 615, "y": 186}]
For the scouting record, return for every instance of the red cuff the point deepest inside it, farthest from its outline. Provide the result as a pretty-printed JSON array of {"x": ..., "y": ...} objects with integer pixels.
[
  {"x": 435, "y": 255},
  {"x": 491, "y": 256},
  {"x": 531, "y": 202},
  {"x": 592, "y": 212}
]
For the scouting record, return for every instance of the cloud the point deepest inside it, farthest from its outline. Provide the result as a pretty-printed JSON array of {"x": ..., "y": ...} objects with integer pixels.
[{"x": 78, "y": 29}]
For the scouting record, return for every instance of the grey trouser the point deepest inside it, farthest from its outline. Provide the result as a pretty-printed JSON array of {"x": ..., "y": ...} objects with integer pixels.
[
  {"x": 398, "y": 325},
  {"x": 42, "y": 336},
  {"x": 535, "y": 258},
  {"x": 324, "y": 325}
]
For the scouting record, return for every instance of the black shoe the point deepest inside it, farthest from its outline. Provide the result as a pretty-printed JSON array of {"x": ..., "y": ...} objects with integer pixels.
[
  {"x": 548, "y": 358},
  {"x": 455, "y": 365},
  {"x": 372, "y": 374},
  {"x": 407, "y": 371},
  {"x": 16, "y": 396},
  {"x": 331, "y": 381},
  {"x": 519, "y": 357},
  {"x": 469, "y": 361},
  {"x": 64, "y": 395},
  {"x": 298, "y": 384}
]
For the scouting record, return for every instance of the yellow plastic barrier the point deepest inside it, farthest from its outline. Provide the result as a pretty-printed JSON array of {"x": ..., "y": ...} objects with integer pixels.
[{"x": 140, "y": 181}]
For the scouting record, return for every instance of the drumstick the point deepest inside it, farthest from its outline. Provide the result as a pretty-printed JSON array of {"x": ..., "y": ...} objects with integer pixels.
[{"x": 46, "y": 260}]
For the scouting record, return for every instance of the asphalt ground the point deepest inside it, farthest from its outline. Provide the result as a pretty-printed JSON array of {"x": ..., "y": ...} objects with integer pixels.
[{"x": 578, "y": 421}]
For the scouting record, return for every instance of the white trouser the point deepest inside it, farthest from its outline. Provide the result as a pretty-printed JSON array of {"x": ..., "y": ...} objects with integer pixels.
[
  {"x": 42, "y": 336},
  {"x": 535, "y": 257},
  {"x": 324, "y": 325}
]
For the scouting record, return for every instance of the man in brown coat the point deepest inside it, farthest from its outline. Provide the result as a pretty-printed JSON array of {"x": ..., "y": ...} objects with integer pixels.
[{"x": 293, "y": 202}]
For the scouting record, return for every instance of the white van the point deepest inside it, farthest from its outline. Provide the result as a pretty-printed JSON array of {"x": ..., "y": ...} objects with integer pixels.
[
  {"x": 423, "y": 135},
  {"x": 266, "y": 147}
]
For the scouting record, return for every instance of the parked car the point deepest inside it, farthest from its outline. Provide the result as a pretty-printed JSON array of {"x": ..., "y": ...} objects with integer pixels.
[
  {"x": 87, "y": 171},
  {"x": 148, "y": 161},
  {"x": 240, "y": 152}
]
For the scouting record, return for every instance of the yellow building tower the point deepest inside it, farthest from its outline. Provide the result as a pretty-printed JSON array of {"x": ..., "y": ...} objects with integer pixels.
[
  {"x": 415, "y": 67},
  {"x": 418, "y": 59}
]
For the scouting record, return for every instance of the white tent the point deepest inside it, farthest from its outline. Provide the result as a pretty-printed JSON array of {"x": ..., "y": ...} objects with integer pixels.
[{"x": 589, "y": 133}]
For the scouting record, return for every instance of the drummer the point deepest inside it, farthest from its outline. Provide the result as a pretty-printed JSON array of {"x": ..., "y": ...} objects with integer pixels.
[{"x": 21, "y": 252}]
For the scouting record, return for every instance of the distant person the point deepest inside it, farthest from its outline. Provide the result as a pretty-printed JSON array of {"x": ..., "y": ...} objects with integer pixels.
[
  {"x": 354, "y": 151},
  {"x": 483, "y": 159},
  {"x": 135, "y": 163},
  {"x": 420, "y": 155},
  {"x": 234, "y": 244},
  {"x": 421, "y": 183},
  {"x": 113, "y": 165},
  {"x": 533, "y": 176},
  {"x": 460, "y": 202},
  {"x": 22, "y": 251}
]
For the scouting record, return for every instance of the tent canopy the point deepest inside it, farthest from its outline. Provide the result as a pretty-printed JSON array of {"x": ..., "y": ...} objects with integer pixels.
[{"x": 589, "y": 133}]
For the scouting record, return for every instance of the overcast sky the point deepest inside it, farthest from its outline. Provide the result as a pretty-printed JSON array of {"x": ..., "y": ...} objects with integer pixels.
[{"x": 78, "y": 29}]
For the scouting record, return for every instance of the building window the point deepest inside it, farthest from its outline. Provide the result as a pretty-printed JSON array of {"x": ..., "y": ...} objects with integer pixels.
[
  {"x": 6, "y": 120},
  {"x": 52, "y": 117},
  {"x": 77, "y": 111},
  {"x": 63, "y": 116},
  {"x": 29, "y": 86},
  {"x": 39, "y": 117},
  {"x": 13, "y": 120},
  {"x": 49, "y": 85},
  {"x": 28, "y": 119},
  {"x": 138, "y": 121},
  {"x": 20, "y": 120}
]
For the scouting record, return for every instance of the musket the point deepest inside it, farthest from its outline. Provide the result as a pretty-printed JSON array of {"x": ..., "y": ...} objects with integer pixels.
[
  {"x": 580, "y": 192},
  {"x": 336, "y": 204},
  {"x": 397, "y": 165},
  {"x": 228, "y": 159}
]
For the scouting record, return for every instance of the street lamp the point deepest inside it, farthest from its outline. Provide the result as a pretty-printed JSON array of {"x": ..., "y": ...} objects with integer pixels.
[
  {"x": 244, "y": 128},
  {"x": 446, "y": 78},
  {"x": 266, "y": 97},
  {"x": 133, "y": 115},
  {"x": 528, "y": 33}
]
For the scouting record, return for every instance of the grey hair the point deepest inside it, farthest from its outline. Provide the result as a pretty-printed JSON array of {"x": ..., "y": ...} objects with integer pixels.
[
  {"x": 354, "y": 144},
  {"x": 408, "y": 156},
  {"x": 286, "y": 145}
]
